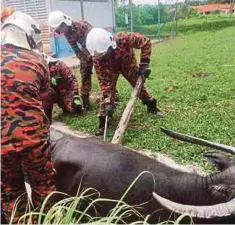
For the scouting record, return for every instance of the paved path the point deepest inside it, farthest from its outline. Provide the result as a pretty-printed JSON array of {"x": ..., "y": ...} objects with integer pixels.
[{"x": 71, "y": 61}]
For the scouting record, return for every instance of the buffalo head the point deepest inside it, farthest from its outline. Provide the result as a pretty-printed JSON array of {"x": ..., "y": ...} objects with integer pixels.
[{"x": 224, "y": 190}]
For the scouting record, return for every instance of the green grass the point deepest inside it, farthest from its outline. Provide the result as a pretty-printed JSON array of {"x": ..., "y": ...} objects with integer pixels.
[{"x": 200, "y": 106}]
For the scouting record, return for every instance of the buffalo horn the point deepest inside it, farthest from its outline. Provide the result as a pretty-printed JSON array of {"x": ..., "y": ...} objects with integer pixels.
[
  {"x": 206, "y": 212},
  {"x": 199, "y": 141}
]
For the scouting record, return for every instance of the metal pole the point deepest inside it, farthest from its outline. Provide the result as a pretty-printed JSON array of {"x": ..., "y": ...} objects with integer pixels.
[
  {"x": 232, "y": 2},
  {"x": 51, "y": 8},
  {"x": 105, "y": 127},
  {"x": 176, "y": 22},
  {"x": 82, "y": 9},
  {"x": 131, "y": 13},
  {"x": 113, "y": 16},
  {"x": 159, "y": 20}
]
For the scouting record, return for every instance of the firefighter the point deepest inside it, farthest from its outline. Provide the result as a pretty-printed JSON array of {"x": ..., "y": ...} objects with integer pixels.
[
  {"x": 114, "y": 55},
  {"x": 6, "y": 12},
  {"x": 75, "y": 33},
  {"x": 64, "y": 88},
  {"x": 24, "y": 125}
]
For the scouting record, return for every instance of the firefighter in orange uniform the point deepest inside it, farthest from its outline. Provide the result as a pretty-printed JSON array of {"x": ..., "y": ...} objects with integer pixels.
[
  {"x": 24, "y": 125},
  {"x": 75, "y": 33},
  {"x": 64, "y": 89},
  {"x": 114, "y": 55}
]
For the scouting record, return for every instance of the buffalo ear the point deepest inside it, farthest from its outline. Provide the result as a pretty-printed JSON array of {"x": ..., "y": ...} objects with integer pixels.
[
  {"x": 221, "y": 161},
  {"x": 223, "y": 191}
]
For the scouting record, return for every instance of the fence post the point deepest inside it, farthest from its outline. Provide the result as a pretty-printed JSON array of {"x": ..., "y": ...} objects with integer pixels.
[
  {"x": 82, "y": 9},
  {"x": 159, "y": 20},
  {"x": 131, "y": 13}
]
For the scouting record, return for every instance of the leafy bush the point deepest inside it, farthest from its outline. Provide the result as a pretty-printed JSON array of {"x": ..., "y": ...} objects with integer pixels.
[{"x": 193, "y": 13}]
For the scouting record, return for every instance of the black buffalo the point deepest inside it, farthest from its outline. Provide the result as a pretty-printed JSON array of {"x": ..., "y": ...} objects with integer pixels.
[{"x": 110, "y": 169}]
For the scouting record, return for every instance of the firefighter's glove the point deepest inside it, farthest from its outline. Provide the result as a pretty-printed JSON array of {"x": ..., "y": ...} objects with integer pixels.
[
  {"x": 56, "y": 81},
  {"x": 109, "y": 109},
  {"x": 144, "y": 71},
  {"x": 53, "y": 81},
  {"x": 77, "y": 104}
]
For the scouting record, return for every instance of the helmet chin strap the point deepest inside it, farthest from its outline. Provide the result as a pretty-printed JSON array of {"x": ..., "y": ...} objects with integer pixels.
[{"x": 31, "y": 42}]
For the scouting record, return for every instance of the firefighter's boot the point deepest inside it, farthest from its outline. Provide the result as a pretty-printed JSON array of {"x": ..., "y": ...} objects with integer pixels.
[
  {"x": 152, "y": 107},
  {"x": 100, "y": 129},
  {"x": 86, "y": 102}
]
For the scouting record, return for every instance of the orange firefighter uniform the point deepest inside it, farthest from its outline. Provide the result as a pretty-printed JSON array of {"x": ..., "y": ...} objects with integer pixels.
[
  {"x": 63, "y": 91},
  {"x": 77, "y": 34},
  {"x": 24, "y": 128}
]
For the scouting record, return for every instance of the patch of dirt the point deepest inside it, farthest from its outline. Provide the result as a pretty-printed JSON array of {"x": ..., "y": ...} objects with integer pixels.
[
  {"x": 95, "y": 97},
  {"x": 56, "y": 111},
  {"x": 171, "y": 88},
  {"x": 168, "y": 108},
  {"x": 204, "y": 74},
  {"x": 173, "y": 41},
  {"x": 156, "y": 41}
]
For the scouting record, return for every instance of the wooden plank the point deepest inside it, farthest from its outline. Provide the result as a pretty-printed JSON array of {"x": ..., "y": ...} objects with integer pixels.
[{"x": 117, "y": 138}]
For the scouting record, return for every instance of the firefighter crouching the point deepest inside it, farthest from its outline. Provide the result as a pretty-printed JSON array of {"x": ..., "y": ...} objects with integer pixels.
[
  {"x": 25, "y": 127},
  {"x": 64, "y": 89},
  {"x": 114, "y": 55}
]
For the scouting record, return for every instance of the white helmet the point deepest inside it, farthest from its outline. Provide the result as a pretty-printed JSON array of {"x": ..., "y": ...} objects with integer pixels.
[
  {"x": 98, "y": 41},
  {"x": 16, "y": 26},
  {"x": 56, "y": 18}
]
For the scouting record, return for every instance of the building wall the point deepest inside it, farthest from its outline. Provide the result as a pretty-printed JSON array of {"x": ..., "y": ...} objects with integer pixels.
[
  {"x": 99, "y": 13},
  {"x": 38, "y": 9}
]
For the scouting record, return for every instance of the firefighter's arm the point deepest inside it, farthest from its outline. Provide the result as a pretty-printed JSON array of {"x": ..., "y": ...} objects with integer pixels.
[
  {"x": 67, "y": 74},
  {"x": 103, "y": 78},
  {"x": 139, "y": 41},
  {"x": 47, "y": 94},
  {"x": 44, "y": 76},
  {"x": 106, "y": 85},
  {"x": 75, "y": 104},
  {"x": 80, "y": 29},
  {"x": 75, "y": 48},
  {"x": 73, "y": 43}
]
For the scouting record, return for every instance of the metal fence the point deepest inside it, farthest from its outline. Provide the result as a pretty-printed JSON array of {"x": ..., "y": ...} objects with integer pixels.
[{"x": 155, "y": 21}]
